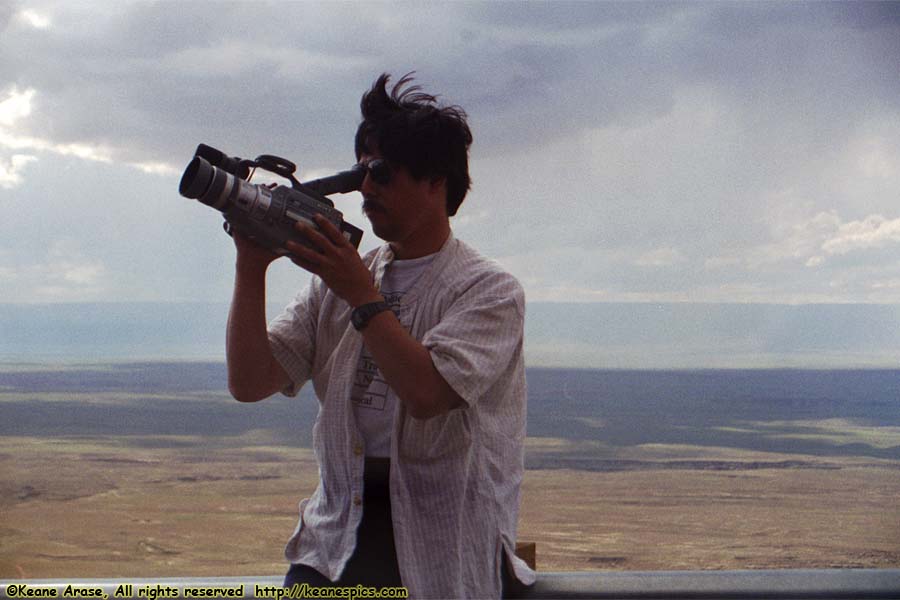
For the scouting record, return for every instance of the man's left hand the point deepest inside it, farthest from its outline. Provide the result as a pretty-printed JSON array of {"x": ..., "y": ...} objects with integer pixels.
[{"x": 336, "y": 261}]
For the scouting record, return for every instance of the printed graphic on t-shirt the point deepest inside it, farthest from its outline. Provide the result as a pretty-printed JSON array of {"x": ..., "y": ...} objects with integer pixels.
[
  {"x": 393, "y": 300},
  {"x": 370, "y": 390}
]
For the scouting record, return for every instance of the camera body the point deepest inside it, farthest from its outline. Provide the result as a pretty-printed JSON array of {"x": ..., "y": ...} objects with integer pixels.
[{"x": 266, "y": 215}]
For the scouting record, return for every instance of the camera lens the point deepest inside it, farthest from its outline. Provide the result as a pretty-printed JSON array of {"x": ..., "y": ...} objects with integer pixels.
[
  {"x": 196, "y": 178},
  {"x": 204, "y": 182}
]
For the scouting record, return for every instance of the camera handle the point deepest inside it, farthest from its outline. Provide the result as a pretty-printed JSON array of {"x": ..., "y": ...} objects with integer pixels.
[{"x": 279, "y": 166}]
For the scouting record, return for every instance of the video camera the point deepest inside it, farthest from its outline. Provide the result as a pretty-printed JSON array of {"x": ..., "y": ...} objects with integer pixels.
[{"x": 267, "y": 216}]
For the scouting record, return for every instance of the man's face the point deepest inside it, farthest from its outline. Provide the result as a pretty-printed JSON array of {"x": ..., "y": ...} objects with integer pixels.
[{"x": 403, "y": 208}]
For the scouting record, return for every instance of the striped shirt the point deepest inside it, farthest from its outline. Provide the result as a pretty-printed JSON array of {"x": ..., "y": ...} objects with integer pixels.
[{"x": 455, "y": 478}]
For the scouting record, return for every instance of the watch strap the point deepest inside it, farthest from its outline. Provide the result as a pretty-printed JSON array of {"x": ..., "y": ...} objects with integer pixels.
[{"x": 363, "y": 313}]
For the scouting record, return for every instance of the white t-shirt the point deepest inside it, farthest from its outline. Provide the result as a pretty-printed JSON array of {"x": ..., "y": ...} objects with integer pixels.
[{"x": 374, "y": 402}]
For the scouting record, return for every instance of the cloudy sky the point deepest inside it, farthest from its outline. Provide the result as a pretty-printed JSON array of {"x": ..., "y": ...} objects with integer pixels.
[{"x": 637, "y": 152}]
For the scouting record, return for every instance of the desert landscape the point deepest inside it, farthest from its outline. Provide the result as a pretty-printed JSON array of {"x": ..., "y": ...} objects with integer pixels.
[{"x": 170, "y": 506}]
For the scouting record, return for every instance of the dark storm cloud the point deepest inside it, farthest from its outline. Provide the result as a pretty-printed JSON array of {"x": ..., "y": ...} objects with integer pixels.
[{"x": 146, "y": 76}]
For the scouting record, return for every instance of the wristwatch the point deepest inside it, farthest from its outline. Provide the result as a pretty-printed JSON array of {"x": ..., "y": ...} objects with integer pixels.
[{"x": 363, "y": 313}]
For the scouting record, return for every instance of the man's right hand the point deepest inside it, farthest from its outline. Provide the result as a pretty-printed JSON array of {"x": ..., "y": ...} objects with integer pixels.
[{"x": 251, "y": 255}]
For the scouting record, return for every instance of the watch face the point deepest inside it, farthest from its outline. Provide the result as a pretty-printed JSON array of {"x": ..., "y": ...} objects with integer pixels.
[
  {"x": 361, "y": 314},
  {"x": 357, "y": 318}
]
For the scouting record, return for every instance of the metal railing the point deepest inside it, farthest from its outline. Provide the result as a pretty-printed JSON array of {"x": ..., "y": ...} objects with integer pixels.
[
  {"x": 857, "y": 584},
  {"x": 820, "y": 584}
]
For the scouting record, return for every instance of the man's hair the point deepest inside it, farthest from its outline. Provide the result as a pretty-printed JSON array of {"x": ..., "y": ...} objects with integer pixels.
[{"x": 410, "y": 129}]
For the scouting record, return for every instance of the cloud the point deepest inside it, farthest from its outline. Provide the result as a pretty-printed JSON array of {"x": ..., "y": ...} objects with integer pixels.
[
  {"x": 812, "y": 242},
  {"x": 14, "y": 111},
  {"x": 15, "y": 106},
  {"x": 63, "y": 274},
  {"x": 34, "y": 19},
  {"x": 11, "y": 169},
  {"x": 872, "y": 232},
  {"x": 659, "y": 257}
]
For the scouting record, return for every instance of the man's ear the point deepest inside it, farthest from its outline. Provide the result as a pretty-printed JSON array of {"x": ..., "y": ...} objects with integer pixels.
[{"x": 438, "y": 186}]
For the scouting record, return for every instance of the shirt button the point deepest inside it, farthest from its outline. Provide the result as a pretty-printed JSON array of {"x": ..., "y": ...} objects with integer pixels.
[
  {"x": 357, "y": 501},
  {"x": 358, "y": 450}
]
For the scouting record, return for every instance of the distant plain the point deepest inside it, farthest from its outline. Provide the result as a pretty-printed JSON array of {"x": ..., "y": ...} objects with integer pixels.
[{"x": 150, "y": 470}]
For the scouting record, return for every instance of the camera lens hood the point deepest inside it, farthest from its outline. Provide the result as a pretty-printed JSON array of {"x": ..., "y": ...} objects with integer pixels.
[{"x": 196, "y": 179}]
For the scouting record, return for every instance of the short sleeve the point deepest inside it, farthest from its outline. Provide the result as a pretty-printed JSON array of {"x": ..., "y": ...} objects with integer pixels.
[
  {"x": 477, "y": 337},
  {"x": 292, "y": 336}
]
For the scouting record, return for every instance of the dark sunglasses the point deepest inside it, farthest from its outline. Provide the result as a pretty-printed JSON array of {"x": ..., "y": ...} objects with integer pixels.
[{"x": 379, "y": 170}]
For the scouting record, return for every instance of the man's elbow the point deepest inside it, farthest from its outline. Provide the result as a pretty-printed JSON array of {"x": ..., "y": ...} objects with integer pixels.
[
  {"x": 423, "y": 413},
  {"x": 256, "y": 384},
  {"x": 245, "y": 393},
  {"x": 428, "y": 407}
]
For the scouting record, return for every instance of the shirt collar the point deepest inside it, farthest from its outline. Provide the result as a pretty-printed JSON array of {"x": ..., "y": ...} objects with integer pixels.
[{"x": 385, "y": 256}]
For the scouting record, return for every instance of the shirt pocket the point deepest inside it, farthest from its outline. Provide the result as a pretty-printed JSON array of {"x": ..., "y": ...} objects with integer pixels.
[{"x": 442, "y": 437}]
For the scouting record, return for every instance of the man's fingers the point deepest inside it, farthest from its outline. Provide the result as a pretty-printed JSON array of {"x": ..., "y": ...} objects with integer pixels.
[
  {"x": 315, "y": 238},
  {"x": 336, "y": 237},
  {"x": 302, "y": 252},
  {"x": 304, "y": 257},
  {"x": 305, "y": 264}
]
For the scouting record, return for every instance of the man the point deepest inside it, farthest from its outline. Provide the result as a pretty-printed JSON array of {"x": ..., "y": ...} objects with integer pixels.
[{"x": 415, "y": 354}]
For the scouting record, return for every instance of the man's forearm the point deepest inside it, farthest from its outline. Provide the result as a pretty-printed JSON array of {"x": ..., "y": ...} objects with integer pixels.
[
  {"x": 407, "y": 368},
  {"x": 253, "y": 373}
]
